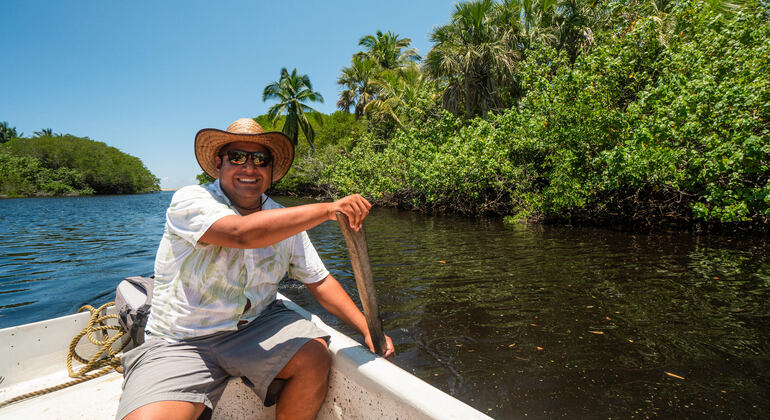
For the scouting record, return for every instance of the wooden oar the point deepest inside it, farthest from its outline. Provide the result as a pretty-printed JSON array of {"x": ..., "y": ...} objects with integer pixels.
[{"x": 359, "y": 259}]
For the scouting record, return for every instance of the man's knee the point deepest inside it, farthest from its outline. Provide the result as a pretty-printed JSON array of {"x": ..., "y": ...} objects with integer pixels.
[
  {"x": 312, "y": 358},
  {"x": 315, "y": 355}
]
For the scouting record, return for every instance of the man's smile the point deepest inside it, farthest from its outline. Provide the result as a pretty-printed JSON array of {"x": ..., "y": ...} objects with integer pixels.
[{"x": 247, "y": 180}]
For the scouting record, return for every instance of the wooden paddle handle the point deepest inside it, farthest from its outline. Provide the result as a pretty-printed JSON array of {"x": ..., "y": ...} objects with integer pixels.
[{"x": 362, "y": 271}]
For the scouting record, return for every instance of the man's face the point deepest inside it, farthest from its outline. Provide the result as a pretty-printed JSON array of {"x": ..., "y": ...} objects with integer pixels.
[{"x": 243, "y": 184}]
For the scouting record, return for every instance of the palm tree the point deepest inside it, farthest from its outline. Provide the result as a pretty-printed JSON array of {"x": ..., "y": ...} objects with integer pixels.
[
  {"x": 572, "y": 24},
  {"x": 395, "y": 88},
  {"x": 388, "y": 50},
  {"x": 535, "y": 18},
  {"x": 356, "y": 82},
  {"x": 384, "y": 52},
  {"x": 46, "y": 132},
  {"x": 292, "y": 90},
  {"x": 471, "y": 57},
  {"x": 7, "y": 132}
]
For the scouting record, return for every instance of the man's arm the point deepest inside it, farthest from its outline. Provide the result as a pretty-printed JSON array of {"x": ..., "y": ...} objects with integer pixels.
[
  {"x": 334, "y": 299},
  {"x": 267, "y": 227}
]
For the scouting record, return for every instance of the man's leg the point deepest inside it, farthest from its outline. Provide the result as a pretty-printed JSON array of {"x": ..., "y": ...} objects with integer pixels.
[
  {"x": 169, "y": 381},
  {"x": 167, "y": 410},
  {"x": 307, "y": 378}
]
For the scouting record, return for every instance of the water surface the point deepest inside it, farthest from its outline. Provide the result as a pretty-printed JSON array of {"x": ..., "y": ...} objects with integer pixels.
[{"x": 535, "y": 322}]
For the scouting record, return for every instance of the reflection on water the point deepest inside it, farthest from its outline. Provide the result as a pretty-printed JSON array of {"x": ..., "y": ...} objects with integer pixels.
[{"x": 543, "y": 322}]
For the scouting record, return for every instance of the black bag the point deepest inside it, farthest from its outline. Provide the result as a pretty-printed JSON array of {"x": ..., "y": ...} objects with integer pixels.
[{"x": 133, "y": 298}]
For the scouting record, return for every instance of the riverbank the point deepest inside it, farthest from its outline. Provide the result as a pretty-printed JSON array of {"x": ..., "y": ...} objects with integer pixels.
[{"x": 620, "y": 224}]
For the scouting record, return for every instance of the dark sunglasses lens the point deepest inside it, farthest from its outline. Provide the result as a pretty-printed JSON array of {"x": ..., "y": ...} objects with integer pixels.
[
  {"x": 237, "y": 157},
  {"x": 260, "y": 159}
]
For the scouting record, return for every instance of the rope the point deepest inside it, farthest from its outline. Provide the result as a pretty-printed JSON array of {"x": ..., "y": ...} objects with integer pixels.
[{"x": 105, "y": 358}]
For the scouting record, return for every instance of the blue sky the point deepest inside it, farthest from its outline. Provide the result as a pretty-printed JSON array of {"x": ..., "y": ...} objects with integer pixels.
[{"x": 145, "y": 76}]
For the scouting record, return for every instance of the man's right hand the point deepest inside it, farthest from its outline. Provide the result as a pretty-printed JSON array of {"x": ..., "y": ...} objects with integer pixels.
[{"x": 354, "y": 206}]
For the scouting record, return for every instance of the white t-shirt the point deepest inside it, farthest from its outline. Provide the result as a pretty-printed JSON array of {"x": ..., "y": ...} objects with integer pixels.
[{"x": 202, "y": 289}]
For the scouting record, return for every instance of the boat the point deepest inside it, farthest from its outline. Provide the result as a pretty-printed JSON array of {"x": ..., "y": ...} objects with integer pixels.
[{"x": 361, "y": 384}]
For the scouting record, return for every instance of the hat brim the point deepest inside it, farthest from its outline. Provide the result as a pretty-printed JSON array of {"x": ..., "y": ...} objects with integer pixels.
[{"x": 209, "y": 140}]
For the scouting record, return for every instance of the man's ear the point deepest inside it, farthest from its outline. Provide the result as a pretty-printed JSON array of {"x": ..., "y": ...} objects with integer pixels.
[{"x": 219, "y": 162}]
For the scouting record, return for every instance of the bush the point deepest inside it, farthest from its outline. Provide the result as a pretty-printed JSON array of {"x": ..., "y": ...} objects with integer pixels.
[
  {"x": 105, "y": 169},
  {"x": 26, "y": 176}
]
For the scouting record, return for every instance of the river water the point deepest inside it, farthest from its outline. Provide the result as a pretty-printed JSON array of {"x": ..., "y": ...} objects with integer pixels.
[{"x": 535, "y": 322}]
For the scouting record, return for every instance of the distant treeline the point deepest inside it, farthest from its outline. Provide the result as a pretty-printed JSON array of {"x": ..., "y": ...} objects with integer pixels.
[{"x": 54, "y": 164}]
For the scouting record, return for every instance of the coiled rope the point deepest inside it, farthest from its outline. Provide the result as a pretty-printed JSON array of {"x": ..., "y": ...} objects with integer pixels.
[{"x": 105, "y": 358}]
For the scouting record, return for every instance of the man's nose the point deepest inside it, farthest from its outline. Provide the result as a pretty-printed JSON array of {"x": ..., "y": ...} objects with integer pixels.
[{"x": 249, "y": 165}]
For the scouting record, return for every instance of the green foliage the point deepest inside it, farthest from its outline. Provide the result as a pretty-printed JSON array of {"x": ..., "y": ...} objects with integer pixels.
[
  {"x": 27, "y": 176},
  {"x": 703, "y": 126},
  {"x": 476, "y": 56},
  {"x": 439, "y": 166},
  {"x": 47, "y": 132},
  {"x": 204, "y": 178},
  {"x": 339, "y": 132},
  {"x": 7, "y": 132},
  {"x": 473, "y": 57},
  {"x": 104, "y": 169},
  {"x": 388, "y": 50},
  {"x": 642, "y": 130},
  {"x": 337, "y": 128},
  {"x": 396, "y": 89},
  {"x": 355, "y": 82},
  {"x": 292, "y": 90},
  {"x": 663, "y": 121},
  {"x": 380, "y": 80}
]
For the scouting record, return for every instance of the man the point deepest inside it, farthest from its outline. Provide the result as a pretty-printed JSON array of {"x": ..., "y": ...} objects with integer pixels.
[{"x": 214, "y": 312}]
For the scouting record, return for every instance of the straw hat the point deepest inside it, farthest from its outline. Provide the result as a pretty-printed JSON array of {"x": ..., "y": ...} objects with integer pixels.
[{"x": 209, "y": 140}]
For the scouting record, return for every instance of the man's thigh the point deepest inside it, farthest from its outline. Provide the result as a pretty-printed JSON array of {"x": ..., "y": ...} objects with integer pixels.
[
  {"x": 167, "y": 410},
  {"x": 162, "y": 371},
  {"x": 260, "y": 350}
]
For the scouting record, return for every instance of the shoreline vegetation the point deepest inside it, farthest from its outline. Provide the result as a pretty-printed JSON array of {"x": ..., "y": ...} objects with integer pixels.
[
  {"x": 631, "y": 115},
  {"x": 49, "y": 164}
]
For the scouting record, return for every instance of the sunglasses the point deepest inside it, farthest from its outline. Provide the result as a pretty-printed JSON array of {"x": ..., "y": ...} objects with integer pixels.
[{"x": 239, "y": 157}]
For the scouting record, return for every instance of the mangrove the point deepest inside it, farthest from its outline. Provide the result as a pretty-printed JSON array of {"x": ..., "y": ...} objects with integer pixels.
[{"x": 50, "y": 164}]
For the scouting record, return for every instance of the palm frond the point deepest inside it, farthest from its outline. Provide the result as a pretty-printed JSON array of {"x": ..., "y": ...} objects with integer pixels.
[{"x": 292, "y": 90}]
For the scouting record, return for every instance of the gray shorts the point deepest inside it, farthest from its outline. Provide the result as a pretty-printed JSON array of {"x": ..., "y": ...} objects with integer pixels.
[{"x": 196, "y": 370}]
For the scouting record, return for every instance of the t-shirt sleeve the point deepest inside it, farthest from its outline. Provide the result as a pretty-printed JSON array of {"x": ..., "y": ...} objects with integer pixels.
[
  {"x": 192, "y": 211},
  {"x": 305, "y": 265}
]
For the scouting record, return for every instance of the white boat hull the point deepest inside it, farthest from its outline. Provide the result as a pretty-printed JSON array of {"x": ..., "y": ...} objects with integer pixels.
[{"x": 361, "y": 385}]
